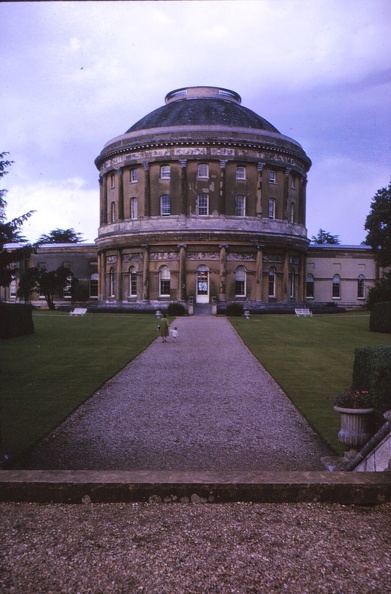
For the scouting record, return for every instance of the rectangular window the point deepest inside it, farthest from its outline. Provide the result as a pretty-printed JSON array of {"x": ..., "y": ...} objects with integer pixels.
[
  {"x": 240, "y": 206},
  {"x": 165, "y": 172},
  {"x": 203, "y": 170},
  {"x": 133, "y": 208},
  {"x": 272, "y": 208},
  {"x": 133, "y": 175},
  {"x": 272, "y": 177},
  {"x": 293, "y": 183},
  {"x": 165, "y": 205},
  {"x": 361, "y": 287},
  {"x": 240, "y": 173},
  {"x": 112, "y": 181},
  {"x": 203, "y": 204}
]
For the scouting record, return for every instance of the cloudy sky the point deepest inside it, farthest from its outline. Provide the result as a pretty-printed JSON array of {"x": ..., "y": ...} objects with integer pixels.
[{"x": 76, "y": 74}]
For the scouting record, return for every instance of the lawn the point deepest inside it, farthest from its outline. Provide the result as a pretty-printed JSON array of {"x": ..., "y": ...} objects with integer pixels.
[
  {"x": 46, "y": 375},
  {"x": 311, "y": 359}
]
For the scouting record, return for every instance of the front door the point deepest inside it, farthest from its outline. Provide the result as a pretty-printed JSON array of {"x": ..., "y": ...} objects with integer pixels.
[{"x": 202, "y": 295}]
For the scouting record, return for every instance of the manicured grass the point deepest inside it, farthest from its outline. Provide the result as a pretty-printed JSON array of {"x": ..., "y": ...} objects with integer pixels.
[
  {"x": 311, "y": 359},
  {"x": 46, "y": 375}
]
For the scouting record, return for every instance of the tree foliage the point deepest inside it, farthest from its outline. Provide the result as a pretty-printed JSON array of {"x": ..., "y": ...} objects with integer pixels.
[
  {"x": 10, "y": 233},
  {"x": 48, "y": 283},
  {"x": 378, "y": 226},
  {"x": 325, "y": 237},
  {"x": 61, "y": 236}
]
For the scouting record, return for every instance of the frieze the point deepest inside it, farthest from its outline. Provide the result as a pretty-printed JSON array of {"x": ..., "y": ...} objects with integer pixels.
[
  {"x": 132, "y": 257},
  {"x": 203, "y": 256},
  {"x": 294, "y": 260},
  {"x": 160, "y": 256},
  {"x": 241, "y": 257},
  {"x": 272, "y": 258},
  {"x": 111, "y": 259},
  {"x": 190, "y": 151},
  {"x": 202, "y": 151}
]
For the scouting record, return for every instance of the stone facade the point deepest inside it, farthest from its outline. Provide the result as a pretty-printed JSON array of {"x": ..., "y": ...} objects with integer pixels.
[
  {"x": 205, "y": 199},
  {"x": 202, "y": 198}
]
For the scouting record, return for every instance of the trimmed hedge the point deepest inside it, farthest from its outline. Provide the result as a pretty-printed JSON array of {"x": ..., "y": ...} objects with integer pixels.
[
  {"x": 372, "y": 371},
  {"x": 176, "y": 309},
  {"x": 15, "y": 320},
  {"x": 380, "y": 318},
  {"x": 234, "y": 309}
]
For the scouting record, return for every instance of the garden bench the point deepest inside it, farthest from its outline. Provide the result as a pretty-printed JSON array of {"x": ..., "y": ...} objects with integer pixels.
[
  {"x": 303, "y": 312},
  {"x": 78, "y": 311}
]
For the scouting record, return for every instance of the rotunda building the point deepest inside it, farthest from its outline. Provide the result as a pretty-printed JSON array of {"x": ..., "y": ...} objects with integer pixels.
[{"x": 202, "y": 199}]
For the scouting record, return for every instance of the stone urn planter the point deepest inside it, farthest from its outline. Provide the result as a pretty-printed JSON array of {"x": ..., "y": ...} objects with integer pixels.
[
  {"x": 355, "y": 409},
  {"x": 355, "y": 428}
]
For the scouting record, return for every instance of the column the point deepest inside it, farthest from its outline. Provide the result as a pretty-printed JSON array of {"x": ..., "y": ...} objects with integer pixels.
[
  {"x": 222, "y": 196},
  {"x": 182, "y": 271},
  {"x": 258, "y": 274},
  {"x": 260, "y": 167},
  {"x": 147, "y": 196},
  {"x": 302, "y": 278},
  {"x": 286, "y": 206},
  {"x": 101, "y": 276},
  {"x": 285, "y": 278},
  {"x": 120, "y": 194},
  {"x": 223, "y": 272},
  {"x": 145, "y": 272},
  {"x": 119, "y": 275},
  {"x": 103, "y": 199},
  {"x": 183, "y": 163}
]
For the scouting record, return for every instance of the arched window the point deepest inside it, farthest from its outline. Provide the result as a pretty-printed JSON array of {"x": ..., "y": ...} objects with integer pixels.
[
  {"x": 111, "y": 283},
  {"x": 272, "y": 282},
  {"x": 361, "y": 287},
  {"x": 272, "y": 208},
  {"x": 336, "y": 286},
  {"x": 132, "y": 282},
  {"x": 292, "y": 283},
  {"x": 240, "y": 206},
  {"x": 309, "y": 286},
  {"x": 113, "y": 213},
  {"x": 133, "y": 208},
  {"x": 240, "y": 282},
  {"x": 164, "y": 281},
  {"x": 94, "y": 285},
  {"x": 165, "y": 205}
]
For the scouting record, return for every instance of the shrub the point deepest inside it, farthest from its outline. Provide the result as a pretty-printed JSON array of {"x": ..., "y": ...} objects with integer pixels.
[
  {"x": 176, "y": 309},
  {"x": 372, "y": 372},
  {"x": 234, "y": 309},
  {"x": 380, "y": 318},
  {"x": 15, "y": 320}
]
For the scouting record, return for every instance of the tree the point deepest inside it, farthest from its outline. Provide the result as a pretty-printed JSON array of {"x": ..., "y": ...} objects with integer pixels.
[
  {"x": 325, "y": 237},
  {"x": 61, "y": 236},
  {"x": 47, "y": 283},
  {"x": 10, "y": 233},
  {"x": 378, "y": 225}
]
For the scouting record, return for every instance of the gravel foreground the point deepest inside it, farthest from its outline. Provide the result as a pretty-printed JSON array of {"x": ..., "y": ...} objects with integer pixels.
[{"x": 194, "y": 548}]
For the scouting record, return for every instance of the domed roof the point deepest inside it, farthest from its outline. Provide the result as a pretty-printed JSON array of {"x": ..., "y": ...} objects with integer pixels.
[{"x": 203, "y": 106}]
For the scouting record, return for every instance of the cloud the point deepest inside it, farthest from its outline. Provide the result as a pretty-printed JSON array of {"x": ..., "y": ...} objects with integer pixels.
[
  {"x": 339, "y": 195},
  {"x": 59, "y": 204}
]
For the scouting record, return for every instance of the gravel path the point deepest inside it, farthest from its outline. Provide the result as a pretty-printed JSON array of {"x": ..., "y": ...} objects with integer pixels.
[
  {"x": 194, "y": 549},
  {"x": 202, "y": 403}
]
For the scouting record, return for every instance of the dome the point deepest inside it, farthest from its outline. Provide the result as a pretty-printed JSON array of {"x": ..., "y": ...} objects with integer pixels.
[{"x": 203, "y": 106}]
